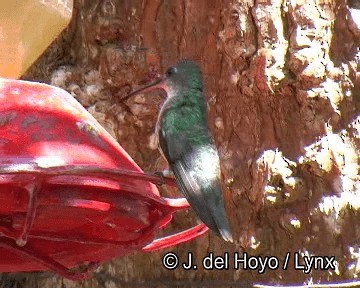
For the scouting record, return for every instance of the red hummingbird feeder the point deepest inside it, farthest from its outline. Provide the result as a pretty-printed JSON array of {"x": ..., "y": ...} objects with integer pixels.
[{"x": 69, "y": 194}]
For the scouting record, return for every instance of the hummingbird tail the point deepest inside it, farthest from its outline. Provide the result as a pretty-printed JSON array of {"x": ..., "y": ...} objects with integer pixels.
[
  {"x": 215, "y": 204},
  {"x": 226, "y": 235},
  {"x": 206, "y": 202},
  {"x": 222, "y": 223}
]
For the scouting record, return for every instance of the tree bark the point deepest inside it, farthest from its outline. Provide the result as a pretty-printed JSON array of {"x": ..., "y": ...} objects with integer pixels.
[{"x": 282, "y": 86}]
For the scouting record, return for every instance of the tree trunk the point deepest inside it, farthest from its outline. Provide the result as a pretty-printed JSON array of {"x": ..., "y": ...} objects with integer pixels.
[{"x": 282, "y": 86}]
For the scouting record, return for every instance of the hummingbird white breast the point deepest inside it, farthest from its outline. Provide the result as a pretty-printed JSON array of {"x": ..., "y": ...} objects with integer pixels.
[{"x": 206, "y": 166}]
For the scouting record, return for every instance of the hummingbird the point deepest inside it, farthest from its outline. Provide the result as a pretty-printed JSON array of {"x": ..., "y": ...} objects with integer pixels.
[{"x": 186, "y": 143}]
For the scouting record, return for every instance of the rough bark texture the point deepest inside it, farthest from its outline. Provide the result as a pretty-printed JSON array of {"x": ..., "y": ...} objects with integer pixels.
[{"x": 282, "y": 84}]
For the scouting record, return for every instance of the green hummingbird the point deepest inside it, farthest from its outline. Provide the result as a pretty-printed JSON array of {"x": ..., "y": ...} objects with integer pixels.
[{"x": 187, "y": 144}]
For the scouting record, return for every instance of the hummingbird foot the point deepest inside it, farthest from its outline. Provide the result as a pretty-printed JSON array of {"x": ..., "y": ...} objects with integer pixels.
[
  {"x": 162, "y": 180},
  {"x": 163, "y": 174},
  {"x": 167, "y": 173}
]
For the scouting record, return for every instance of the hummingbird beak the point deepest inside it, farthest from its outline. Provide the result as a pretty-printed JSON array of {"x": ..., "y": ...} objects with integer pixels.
[{"x": 158, "y": 84}]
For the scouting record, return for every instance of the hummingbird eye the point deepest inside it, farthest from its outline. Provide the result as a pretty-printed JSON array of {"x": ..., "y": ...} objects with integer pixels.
[{"x": 171, "y": 71}]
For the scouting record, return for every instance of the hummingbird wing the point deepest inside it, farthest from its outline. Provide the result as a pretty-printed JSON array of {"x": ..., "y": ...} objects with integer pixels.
[{"x": 196, "y": 170}]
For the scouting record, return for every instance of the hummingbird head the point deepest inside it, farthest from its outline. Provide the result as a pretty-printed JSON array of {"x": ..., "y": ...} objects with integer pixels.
[{"x": 184, "y": 75}]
